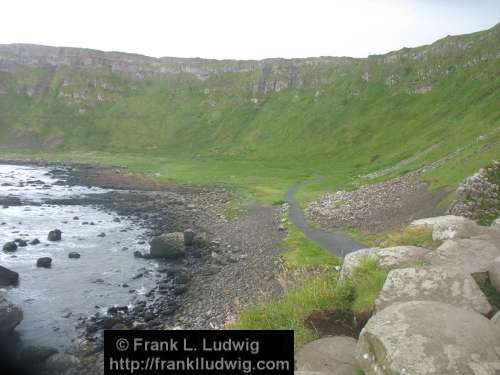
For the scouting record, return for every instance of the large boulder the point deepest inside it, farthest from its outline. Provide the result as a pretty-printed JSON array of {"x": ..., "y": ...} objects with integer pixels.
[
  {"x": 44, "y": 262},
  {"x": 169, "y": 246},
  {"x": 10, "y": 315},
  {"x": 494, "y": 273},
  {"x": 469, "y": 256},
  {"x": 429, "y": 338},
  {"x": 54, "y": 235},
  {"x": 432, "y": 284},
  {"x": 328, "y": 355},
  {"x": 8, "y": 277},
  {"x": 10, "y": 247},
  {"x": 389, "y": 257},
  {"x": 451, "y": 227}
]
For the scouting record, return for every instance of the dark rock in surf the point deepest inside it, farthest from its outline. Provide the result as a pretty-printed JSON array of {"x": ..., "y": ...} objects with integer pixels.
[
  {"x": 44, "y": 262},
  {"x": 8, "y": 277},
  {"x": 10, "y": 247},
  {"x": 54, "y": 235}
]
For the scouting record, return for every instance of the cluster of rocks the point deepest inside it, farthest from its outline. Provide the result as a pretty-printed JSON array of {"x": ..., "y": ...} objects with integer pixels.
[
  {"x": 44, "y": 262},
  {"x": 376, "y": 207},
  {"x": 478, "y": 197},
  {"x": 431, "y": 316}
]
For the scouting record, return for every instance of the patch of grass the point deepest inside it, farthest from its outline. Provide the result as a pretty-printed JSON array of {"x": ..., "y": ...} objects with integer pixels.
[
  {"x": 319, "y": 292},
  {"x": 412, "y": 236},
  {"x": 367, "y": 280},
  {"x": 289, "y": 312},
  {"x": 301, "y": 252},
  {"x": 408, "y": 236}
]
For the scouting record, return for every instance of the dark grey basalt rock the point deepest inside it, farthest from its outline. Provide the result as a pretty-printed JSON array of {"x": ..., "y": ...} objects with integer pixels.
[
  {"x": 10, "y": 247},
  {"x": 54, "y": 235},
  {"x": 44, "y": 262},
  {"x": 8, "y": 277}
]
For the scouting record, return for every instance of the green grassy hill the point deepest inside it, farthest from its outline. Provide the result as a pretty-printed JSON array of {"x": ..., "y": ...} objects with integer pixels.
[{"x": 263, "y": 123}]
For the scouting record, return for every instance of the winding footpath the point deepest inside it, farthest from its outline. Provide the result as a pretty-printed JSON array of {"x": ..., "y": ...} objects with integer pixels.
[{"x": 338, "y": 244}]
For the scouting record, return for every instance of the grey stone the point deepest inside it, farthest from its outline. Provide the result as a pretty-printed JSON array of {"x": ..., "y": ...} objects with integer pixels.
[
  {"x": 470, "y": 256},
  {"x": 432, "y": 284},
  {"x": 496, "y": 319},
  {"x": 451, "y": 227},
  {"x": 328, "y": 355},
  {"x": 170, "y": 246},
  {"x": 494, "y": 273},
  {"x": 44, "y": 262},
  {"x": 73, "y": 255},
  {"x": 428, "y": 338},
  {"x": 10, "y": 315},
  {"x": 8, "y": 277},
  {"x": 10, "y": 247},
  {"x": 390, "y": 257},
  {"x": 54, "y": 235},
  {"x": 60, "y": 362},
  {"x": 36, "y": 353}
]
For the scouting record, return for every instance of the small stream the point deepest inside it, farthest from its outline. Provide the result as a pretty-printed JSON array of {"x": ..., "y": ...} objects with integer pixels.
[
  {"x": 55, "y": 300},
  {"x": 338, "y": 244}
]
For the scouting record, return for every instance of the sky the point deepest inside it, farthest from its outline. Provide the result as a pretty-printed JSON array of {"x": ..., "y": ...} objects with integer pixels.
[{"x": 243, "y": 29}]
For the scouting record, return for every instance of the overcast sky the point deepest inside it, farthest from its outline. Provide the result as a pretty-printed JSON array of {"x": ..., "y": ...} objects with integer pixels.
[{"x": 242, "y": 29}]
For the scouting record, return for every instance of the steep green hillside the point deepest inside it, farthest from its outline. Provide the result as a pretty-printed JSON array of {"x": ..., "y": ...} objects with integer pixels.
[{"x": 275, "y": 120}]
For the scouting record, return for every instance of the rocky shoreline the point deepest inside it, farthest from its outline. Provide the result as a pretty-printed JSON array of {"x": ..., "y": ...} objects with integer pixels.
[{"x": 191, "y": 291}]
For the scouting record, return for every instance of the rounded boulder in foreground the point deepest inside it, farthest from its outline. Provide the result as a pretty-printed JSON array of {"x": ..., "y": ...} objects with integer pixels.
[{"x": 429, "y": 338}]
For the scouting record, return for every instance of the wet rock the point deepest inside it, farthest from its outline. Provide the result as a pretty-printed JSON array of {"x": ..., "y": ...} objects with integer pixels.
[
  {"x": 101, "y": 234},
  {"x": 45, "y": 262},
  {"x": 8, "y": 277},
  {"x": 54, "y": 235},
  {"x": 432, "y": 284},
  {"x": 180, "y": 289},
  {"x": 20, "y": 242},
  {"x": 73, "y": 255},
  {"x": 10, "y": 246},
  {"x": 10, "y": 315},
  {"x": 116, "y": 220},
  {"x": 189, "y": 236},
  {"x": 138, "y": 254},
  {"x": 36, "y": 354},
  {"x": 169, "y": 246},
  {"x": 60, "y": 363},
  {"x": 10, "y": 201},
  {"x": 35, "y": 241},
  {"x": 328, "y": 355},
  {"x": 431, "y": 338}
]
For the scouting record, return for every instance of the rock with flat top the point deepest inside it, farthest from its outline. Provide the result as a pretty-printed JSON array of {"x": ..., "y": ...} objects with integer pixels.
[
  {"x": 328, "y": 355},
  {"x": 389, "y": 257},
  {"x": 451, "y": 227},
  {"x": 432, "y": 284},
  {"x": 469, "y": 256},
  {"x": 429, "y": 338}
]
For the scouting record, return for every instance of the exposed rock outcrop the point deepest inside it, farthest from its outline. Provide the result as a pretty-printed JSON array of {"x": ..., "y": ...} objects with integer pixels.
[
  {"x": 451, "y": 227},
  {"x": 427, "y": 338},
  {"x": 432, "y": 284}
]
